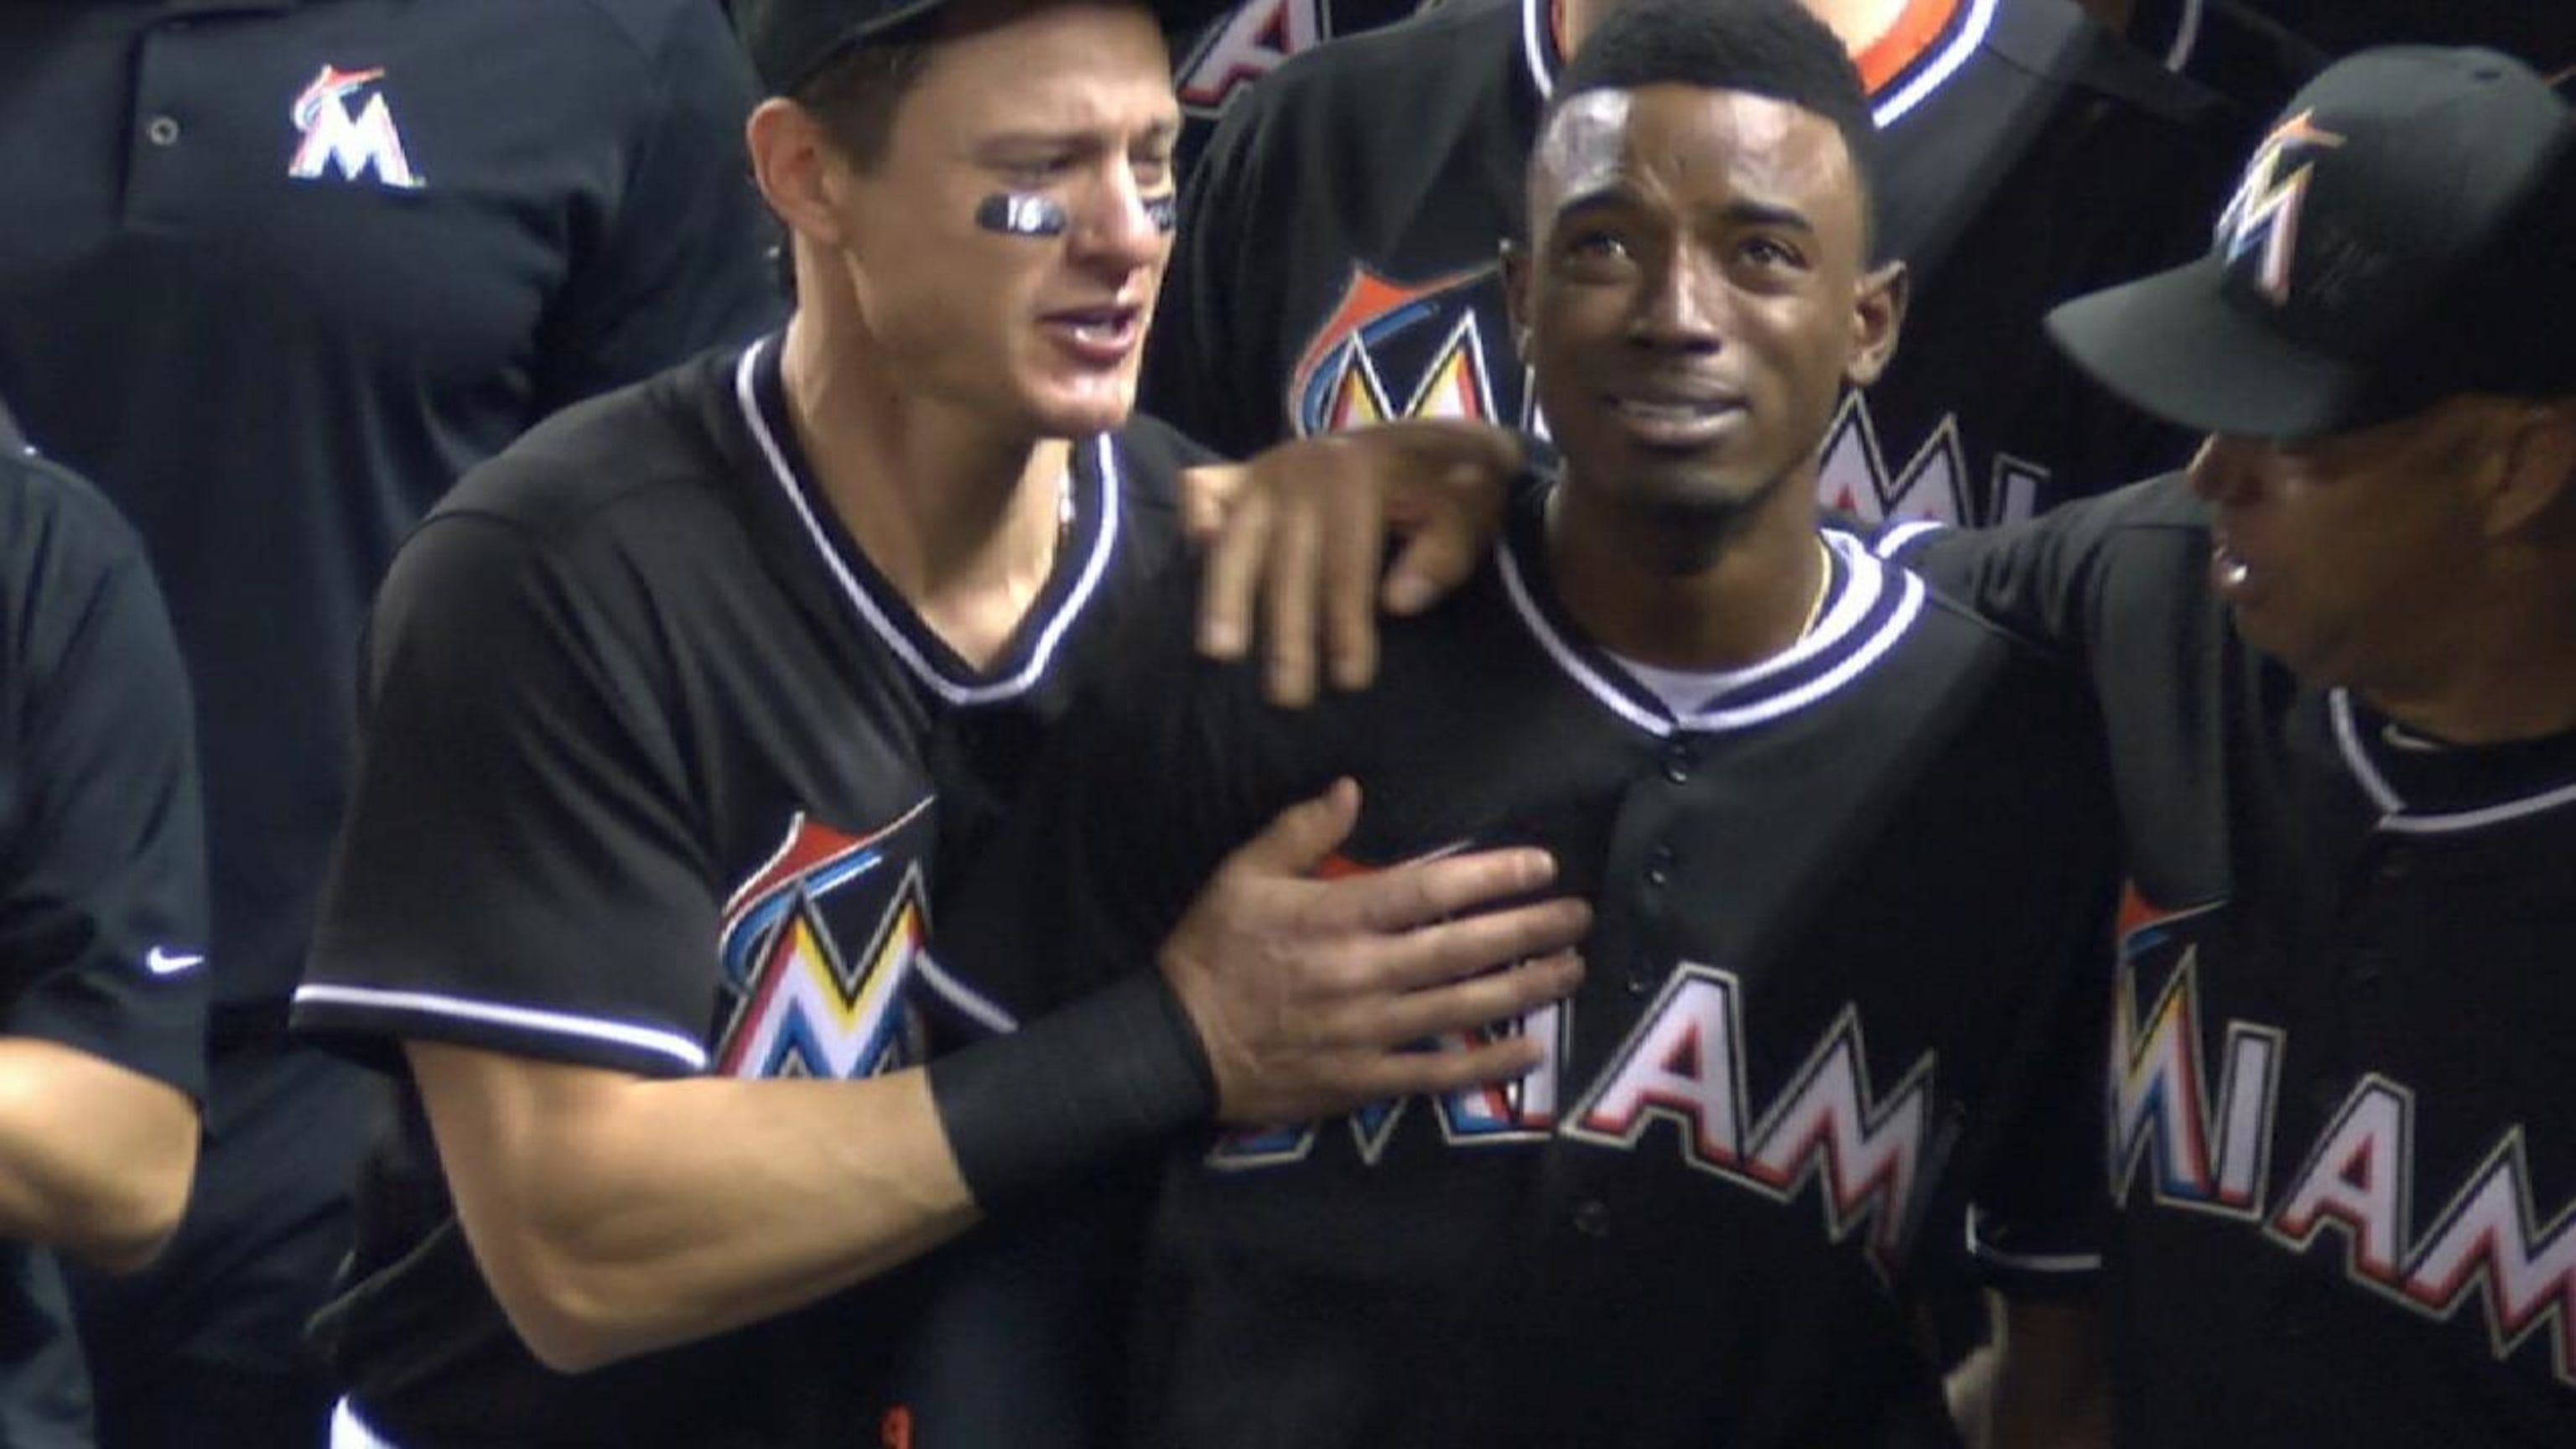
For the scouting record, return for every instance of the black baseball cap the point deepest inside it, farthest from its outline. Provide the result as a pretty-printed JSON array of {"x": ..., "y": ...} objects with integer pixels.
[
  {"x": 789, "y": 40},
  {"x": 2404, "y": 233}
]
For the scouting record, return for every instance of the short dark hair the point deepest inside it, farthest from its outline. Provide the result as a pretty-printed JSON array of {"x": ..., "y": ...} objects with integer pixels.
[
  {"x": 855, "y": 94},
  {"x": 1774, "y": 48}
]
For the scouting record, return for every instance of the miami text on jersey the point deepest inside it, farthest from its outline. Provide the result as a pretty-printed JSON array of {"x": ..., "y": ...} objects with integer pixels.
[
  {"x": 2205, "y": 1146},
  {"x": 1683, "y": 1064},
  {"x": 805, "y": 1004}
]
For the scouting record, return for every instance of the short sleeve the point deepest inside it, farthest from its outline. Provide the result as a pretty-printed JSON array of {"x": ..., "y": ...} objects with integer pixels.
[
  {"x": 521, "y": 868},
  {"x": 103, "y": 914}
]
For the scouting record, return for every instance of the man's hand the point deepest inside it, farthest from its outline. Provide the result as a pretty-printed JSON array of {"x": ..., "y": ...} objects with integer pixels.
[
  {"x": 1307, "y": 993},
  {"x": 1298, "y": 535}
]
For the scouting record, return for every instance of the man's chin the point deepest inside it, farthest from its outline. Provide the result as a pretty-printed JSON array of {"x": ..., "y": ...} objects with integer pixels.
[{"x": 1083, "y": 412}]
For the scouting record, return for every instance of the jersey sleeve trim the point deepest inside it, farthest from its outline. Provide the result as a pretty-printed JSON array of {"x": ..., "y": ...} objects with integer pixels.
[
  {"x": 968, "y": 1002},
  {"x": 382, "y": 1012},
  {"x": 2006, "y": 1264}
]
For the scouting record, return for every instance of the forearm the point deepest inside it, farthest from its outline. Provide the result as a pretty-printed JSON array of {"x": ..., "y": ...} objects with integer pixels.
[
  {"x": 2049, "y": 1388},
  {"x": 94, "y": 1159},
  {"x": 615, "y": 1216}
]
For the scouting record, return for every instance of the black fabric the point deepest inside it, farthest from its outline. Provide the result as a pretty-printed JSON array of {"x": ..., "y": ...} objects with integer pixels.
[
  {"x": 103, "y": 915},
  {"x": 649, "y": 755},
  {"x": 1874, "y": 869},
  {"x": 2298, "y": 955},
  {"x": 1215, "y": 62},
  {"x": 1337, "y": 257},
  {"x": 344, "y": 348}
]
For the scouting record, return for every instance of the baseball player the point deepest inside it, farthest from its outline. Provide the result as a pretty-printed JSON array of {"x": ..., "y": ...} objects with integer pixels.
[
  {"x": 103, "y": 977},
  {"x": 674, "y": 710},
  {"x": 2336, "y": 664},
  {"x": 1337, "y": 261},
  {"x": 1847, "y": 865}
]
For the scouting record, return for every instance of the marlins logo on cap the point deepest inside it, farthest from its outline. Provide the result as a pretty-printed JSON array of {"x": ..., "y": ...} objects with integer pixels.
[{"x": 2399, "y": 237}]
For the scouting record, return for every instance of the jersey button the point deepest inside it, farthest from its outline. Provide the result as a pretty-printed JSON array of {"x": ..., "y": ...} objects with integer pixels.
[
  {"x": 1659, "y": 866},
  {"x": 1592, "y": 1218},
  {"x": 162, "y": 131},
  {"x": 1678, "y": 761},
  {"x": 1641, "y": 976}
]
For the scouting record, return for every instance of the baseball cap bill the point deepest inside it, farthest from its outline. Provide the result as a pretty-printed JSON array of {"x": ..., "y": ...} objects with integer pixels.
[{"x": 2404, "y": 233}]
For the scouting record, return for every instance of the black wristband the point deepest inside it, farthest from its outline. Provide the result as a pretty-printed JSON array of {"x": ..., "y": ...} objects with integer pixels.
[{"x": 1120, "y": 1067}]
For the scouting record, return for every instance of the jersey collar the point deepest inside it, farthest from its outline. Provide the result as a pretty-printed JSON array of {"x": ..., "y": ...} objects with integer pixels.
[
  {"x": 1082, "y": 561},
  {"x": 1868, "y": 607},
  {"x": 2422, "y": 787}
]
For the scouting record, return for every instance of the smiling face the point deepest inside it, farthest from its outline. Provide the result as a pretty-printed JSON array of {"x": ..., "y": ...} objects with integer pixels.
[
  {"x": 1070, "y": 102},
  {"x": 1695, "y": 295}
]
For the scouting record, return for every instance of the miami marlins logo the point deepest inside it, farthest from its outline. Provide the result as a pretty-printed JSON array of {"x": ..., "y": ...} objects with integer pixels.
[
  {"x": 354, "y": 145},
  {"x": 1247, "y": 46},
  {"x": 1396, "y": 350},
  {"x": 2263, "y": 216},
  {"x": 818, "y": 947}
]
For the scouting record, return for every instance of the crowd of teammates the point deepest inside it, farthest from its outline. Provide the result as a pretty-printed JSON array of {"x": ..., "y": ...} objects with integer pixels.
[{"x": 672, "y": 779}]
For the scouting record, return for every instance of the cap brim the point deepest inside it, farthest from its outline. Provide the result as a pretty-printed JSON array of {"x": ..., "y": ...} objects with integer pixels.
[{"x": 2173, "y": 346}]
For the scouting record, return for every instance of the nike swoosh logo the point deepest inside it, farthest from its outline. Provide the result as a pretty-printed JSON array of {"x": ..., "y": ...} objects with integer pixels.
[{"x": 162, "y": 963}]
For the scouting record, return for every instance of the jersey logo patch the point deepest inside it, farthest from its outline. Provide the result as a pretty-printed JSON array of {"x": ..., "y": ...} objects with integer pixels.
[
  {"x": 2185, "y": 1138},
  {"x": 1392, "y": 350},
  {"x": 1250, "y": 44},
  {"x": 2262, "y": 218},
  {"x": 818, "y": 947},
  {"x": 353, "y": 145}
]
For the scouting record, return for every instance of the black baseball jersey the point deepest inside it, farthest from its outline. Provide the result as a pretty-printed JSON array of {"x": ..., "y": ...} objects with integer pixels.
[
  {"x": 103, "y": 890},
  {"x": 1337, "y": 258},
  {"x": 1214, "y": 63},
  {"x": 654, "y": 763},
  {"x": 2342, "y": 1109},
  {"x": 1848, "y": 900}
]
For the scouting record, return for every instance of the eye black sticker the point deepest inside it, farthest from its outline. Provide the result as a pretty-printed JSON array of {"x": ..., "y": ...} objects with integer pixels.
[{"x": 1017, "y": 213}]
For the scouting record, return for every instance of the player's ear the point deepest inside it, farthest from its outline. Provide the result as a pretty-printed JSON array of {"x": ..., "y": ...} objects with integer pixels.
[
  {"x": 2535, "y": 483},
  {"x": 1515, "y": 258},
  {"x": 1878, "y": 315},
  {"x": 795, "y": 166}
]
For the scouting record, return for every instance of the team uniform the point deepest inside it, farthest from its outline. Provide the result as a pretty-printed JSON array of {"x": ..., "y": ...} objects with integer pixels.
[
  {"x": 287, "y": 270},
  {"x": 1847, "y": 901},
  {"x": 1336, "y": 262},
  {"x": 1214, "y": 63},
  {"x": 103, "y": 901},
  {"x": 2342, "y": 1125},
  {"x": 655, "y": 771}
]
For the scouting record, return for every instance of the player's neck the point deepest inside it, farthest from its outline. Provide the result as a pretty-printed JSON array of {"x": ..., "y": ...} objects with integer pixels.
[
  {"x": 2508, "y": 673},
  {"x": 963, "y": 521},
  {"x": 1724, "y": 601}
]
